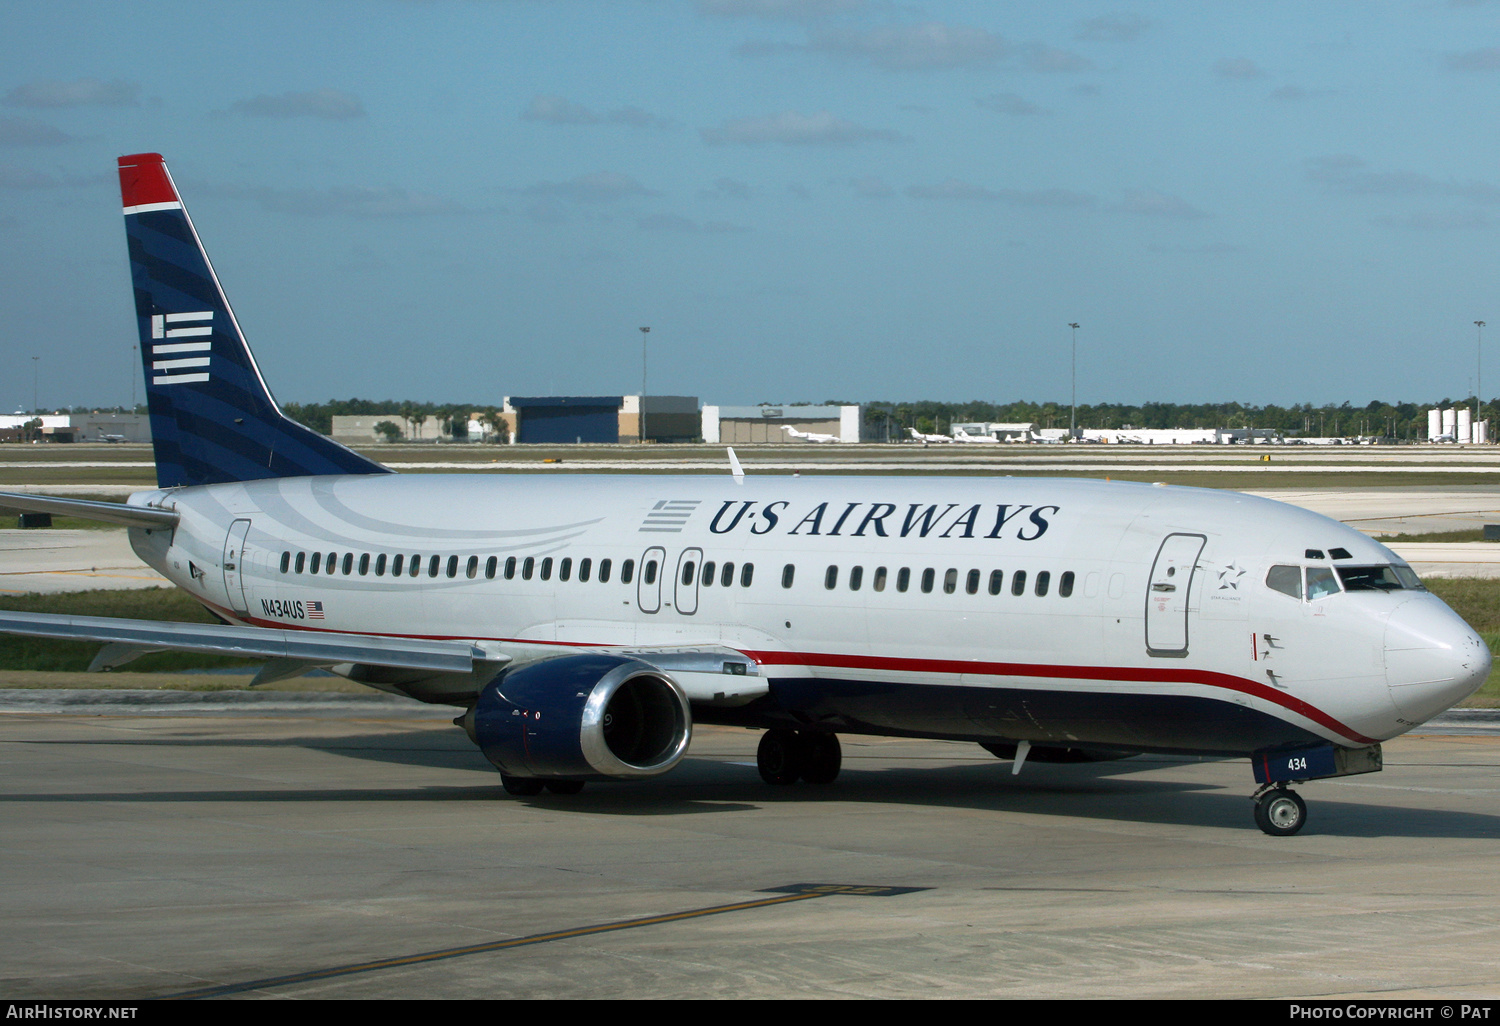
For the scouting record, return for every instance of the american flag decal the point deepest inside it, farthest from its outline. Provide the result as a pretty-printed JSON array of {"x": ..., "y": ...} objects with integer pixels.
[
  {"x": 315, "y": 610},
  {"x": 668, "y": 516},
  {"x": 183, "y": 354}
]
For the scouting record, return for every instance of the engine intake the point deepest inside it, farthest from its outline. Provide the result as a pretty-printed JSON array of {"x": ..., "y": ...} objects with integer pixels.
[{"x": 583, "y": 717}]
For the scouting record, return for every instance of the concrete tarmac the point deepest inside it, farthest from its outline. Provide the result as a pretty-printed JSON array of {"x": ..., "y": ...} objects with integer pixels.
[{"x": 153, "y": 855}]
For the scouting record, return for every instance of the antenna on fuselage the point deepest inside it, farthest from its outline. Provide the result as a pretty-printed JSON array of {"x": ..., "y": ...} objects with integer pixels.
[{"x": 734, "y": 466}]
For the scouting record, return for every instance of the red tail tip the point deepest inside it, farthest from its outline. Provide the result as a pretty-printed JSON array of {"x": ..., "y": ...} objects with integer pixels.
[{"x": 143, "y": 180}]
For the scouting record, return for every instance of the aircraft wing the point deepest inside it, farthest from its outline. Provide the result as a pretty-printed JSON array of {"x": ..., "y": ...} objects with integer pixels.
[
  {"x": 107, "y": 512},
  {"x": 718, "y": 676},
  {"x": 288, "y": 652}
]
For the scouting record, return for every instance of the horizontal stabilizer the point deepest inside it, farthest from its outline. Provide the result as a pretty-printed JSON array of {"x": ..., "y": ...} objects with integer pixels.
[
  {"x": 85, "y": 509},
  {"x": 308, "y": 647}
]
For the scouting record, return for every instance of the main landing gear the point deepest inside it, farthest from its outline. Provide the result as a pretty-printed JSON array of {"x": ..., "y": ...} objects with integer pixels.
[
  {"x": 786, "y": 756},
  {"x": 1279, "y": 810},
  {"x": 526, "y": 786}
]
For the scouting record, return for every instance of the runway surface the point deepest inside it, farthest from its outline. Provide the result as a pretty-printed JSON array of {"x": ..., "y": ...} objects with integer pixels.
[{"x": 306, "y": 854}]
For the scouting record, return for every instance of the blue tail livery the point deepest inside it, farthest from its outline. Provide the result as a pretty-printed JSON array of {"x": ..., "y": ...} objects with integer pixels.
[{"x": 213, "y": 419}]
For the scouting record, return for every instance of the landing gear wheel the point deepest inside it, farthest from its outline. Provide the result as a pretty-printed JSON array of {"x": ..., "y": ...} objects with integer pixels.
[
  {"x": 822, "y": 758},
  {"x": 520, "y": 785},
  {"x": 780, "y": 757},
  {"x": 1280, "y": 812},
  {"x": 565, "y": 786}
]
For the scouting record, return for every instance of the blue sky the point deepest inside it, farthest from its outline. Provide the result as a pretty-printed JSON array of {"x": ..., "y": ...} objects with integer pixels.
[{"x": 457, "y": 200}]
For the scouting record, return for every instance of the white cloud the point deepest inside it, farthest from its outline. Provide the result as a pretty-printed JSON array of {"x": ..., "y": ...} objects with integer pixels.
[
  {"x": 1041, "y": 57},
  {"x": 726, "y": 188},
  {"x": 930, "y": 45},
  {"x": 779, "y": 10},
  {"x": 1484, "y": 59},
  {"x": 327, "y": 104},
  {"x": 1115, "y": 28},
  {"x": 1011, "y": 103},
  {"x": 792, "y": 128},
  {"x": 78, "y": 93},
  {"x": 954, "y": 189},
  {"x": 355, "y": 201},
  {"x": 676, "y": 224},
  {"x": 1349, "y": 175},
  {"x": 1150, "y": 203},
  {"x": 598, "y": 187},
  {"x": 26, "y": 132},
  {"x": 1237, "y": 68}
]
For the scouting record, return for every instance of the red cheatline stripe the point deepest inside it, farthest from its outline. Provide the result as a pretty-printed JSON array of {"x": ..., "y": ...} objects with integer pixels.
[{"x": 1132, "y": 674}]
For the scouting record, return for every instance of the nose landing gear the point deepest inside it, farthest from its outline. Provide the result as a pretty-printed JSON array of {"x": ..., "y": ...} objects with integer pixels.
[{"x": 1279, "y": 810}]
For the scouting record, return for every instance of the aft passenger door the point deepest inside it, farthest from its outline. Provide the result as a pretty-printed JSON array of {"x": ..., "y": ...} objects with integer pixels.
[
  {"x": 1168, "y": 594},
  {"x": 234, "y": 565}
]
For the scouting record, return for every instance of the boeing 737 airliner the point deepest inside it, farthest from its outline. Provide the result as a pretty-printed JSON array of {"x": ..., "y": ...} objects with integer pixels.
[{"x": 583, "y": 623}]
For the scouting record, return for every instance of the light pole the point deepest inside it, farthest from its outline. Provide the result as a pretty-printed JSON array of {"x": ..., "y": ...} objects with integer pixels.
[
  {"x": 1073, "y": 417},
  {"x": 36, "y": 404},
  {"x": 644, "y": 333},
  {"x": 1478, "y": 363}
]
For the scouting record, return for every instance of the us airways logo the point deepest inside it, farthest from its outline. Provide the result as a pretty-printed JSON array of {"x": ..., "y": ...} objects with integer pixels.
[
  {"x": 292, "y": 609},
  {"x": 1021, "y": 521},
  {"x": 182, "y": 355}
]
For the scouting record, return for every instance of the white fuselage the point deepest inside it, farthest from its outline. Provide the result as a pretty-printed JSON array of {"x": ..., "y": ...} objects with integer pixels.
[{"x": 1143, "y": 620}]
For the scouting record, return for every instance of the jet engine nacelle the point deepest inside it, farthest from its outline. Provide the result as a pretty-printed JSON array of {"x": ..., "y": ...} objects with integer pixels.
[{"x": 582, "y": 717}]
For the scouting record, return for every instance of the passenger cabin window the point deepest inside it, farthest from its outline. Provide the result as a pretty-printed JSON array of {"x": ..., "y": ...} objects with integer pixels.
[
  {"x": 928, "y": 577},
  {"x": 709, "y": 569},
  {"x": 565, "y": 569},
  {"x": 689, "y": 571},
  {"x": 971, "y": 583},
  {"x": 286, "y": 561},
  {"x": 788, "y": 573},
  {"x": 528, "y": 567},
  {"x": 648, "y": 572},
  {"x": 510, "y": 568},
  {"x": 380, "y": 565},
  {"x": 317, "y": 563},
  {"x": 727, "y": 577},
  {"x": 1043, "y": 580},
  {"x": 903, "y": 578},
  {"x": 627, "y": 571},
  {"x": 856, "y": 577},
  {"x": 585, "y": 568},
  {"x": 878, "y": 583},
  {"x": 747, "y": 574},
  {"x": 1018, "y": 583},
  {"x": 332, "y": 563},
  {"x": 301, "y": 561},
  {"x": 416, "y": 565},
  {"x": 490, "y": 566},
  {"x": 604, "y": 566},
  {"x": 1065, "y": 584},
  {"x": 546, "y": 573},
  {"x": 452, "y": 566},
  {"x": 348, "y": 563},
  {"x": 471, "y": 568},
  {"x": 434, "y": 565},
  {"x": 950, "y": 581},
  {"x": 397, "y": 563},
  {"x": 997, "y": 579},
  {"x": 831, "y": 578},
  {"x": 364, "y": 564}
]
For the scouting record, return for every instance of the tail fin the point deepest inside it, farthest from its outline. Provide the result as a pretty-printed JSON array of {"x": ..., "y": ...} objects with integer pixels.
[{"x": 212, "y": 417}]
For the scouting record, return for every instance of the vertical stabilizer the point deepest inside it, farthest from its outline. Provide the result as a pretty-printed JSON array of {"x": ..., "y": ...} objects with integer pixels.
[{"x": 212, "y": 417}]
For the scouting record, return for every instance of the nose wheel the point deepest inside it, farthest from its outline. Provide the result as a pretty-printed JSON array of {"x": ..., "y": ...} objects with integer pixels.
[{"x": 1280, "y": 811}]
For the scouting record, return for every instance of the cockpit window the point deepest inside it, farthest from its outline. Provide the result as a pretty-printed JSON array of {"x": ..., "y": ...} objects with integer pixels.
[
  {"x": 1407, "y": 576},
  {"x": 1320, "y": 582},
  {"x": 1285, "y": 579},
  {"x": 1378, "y": 578}
]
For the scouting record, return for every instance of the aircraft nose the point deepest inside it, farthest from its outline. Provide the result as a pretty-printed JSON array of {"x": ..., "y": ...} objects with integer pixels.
[{"x": 1433, "y": 659}]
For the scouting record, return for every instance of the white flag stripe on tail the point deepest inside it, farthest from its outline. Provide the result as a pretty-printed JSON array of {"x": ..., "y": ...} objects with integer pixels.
[
  {"x": 182, "y": 347},
  {"x": 197, "y": 361},
  {"x": 178, "y": 379},
  {"x": 198, "y": 332},
  {"x": 200, "y": 315}
]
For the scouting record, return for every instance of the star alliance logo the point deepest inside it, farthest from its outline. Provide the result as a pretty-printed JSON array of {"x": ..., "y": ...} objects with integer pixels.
[{"x": 1229, "y": 577}]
